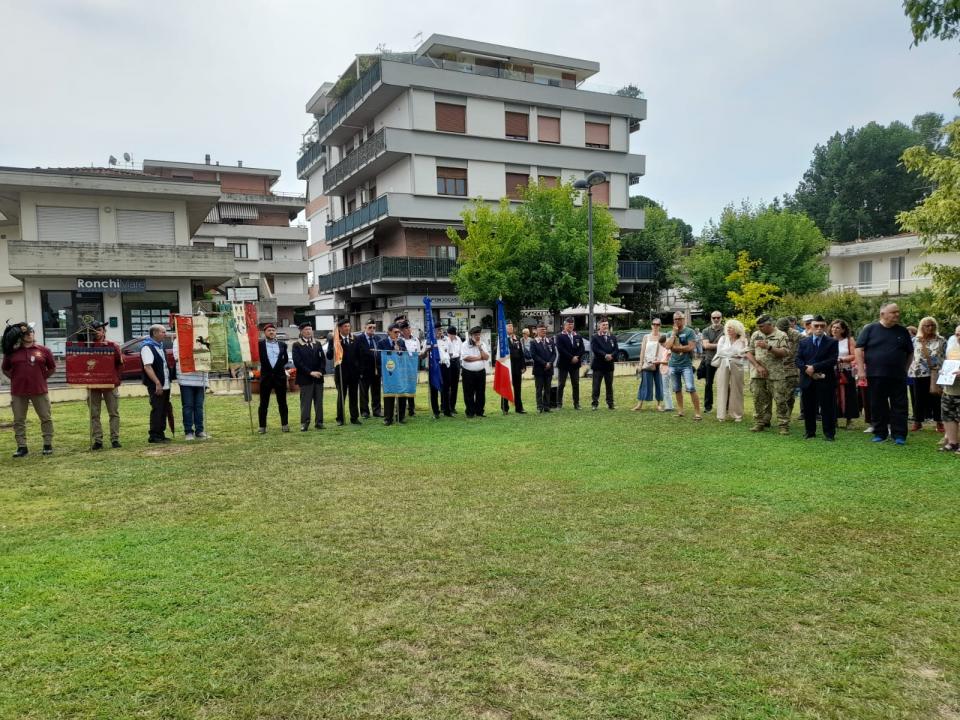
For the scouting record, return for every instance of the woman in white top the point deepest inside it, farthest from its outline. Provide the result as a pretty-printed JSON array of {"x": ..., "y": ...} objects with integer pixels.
[
  {"x": 928, "y": 351},
  {"x": 848, "y": 399},
  {"x": 651, "y": 382},
  {"x": 728, "y": 360}
]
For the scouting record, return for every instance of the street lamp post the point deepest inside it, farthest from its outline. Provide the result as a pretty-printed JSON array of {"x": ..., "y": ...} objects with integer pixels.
[{"x": 594, "y": 178}]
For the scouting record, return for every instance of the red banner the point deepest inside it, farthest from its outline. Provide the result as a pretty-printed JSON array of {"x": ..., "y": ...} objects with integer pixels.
[
  {"x": 93, "y": 365},
  {"x": 253, "y": 333},
  {"x": 183, "y": 324}
]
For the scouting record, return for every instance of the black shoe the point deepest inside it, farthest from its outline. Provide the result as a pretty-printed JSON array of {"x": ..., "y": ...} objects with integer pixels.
[
  {"x": 98, "y": 445},
  {"x": 48, "y": 449},
  {"x": 829, "y": 439},
  {"x": 411, "y": 414},
  {"x": 115, "y": 444},
  {"x": 546, "y": 409},
  {"x": 21, "y": 452},
  {"x": 402, "y": 421},
  {"x": 448, "y": 414},
  {"x": 577, "y": 406},
  {"x": 164, "y": 440},
  {"x": 436, "y": 416},
  {"x": 355, "y": 421},
  {"x": 481, "y": 415},
  {"x": 340, "y": 423},
  {"x": 318, "y": 427},
  {"x": 469, "y": 415},
  {"x": 611, "y": 407},
  {"x": 809, "y": 437},
  {"x": 365, "y": 415},
  {"x": 388, "y": 422},
  {"x": 377, "y": 413},
  {"x": 521, "y": 412}
]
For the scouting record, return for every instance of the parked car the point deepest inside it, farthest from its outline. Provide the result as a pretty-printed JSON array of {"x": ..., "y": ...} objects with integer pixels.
[
  {"x": 630, "y": 342},
  {"x": 132, "y": 364}
]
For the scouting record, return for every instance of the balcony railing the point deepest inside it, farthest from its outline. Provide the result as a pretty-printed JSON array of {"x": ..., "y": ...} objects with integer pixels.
[
  {"x": 311, "y": 156},
  {"x": 357, "y": 219},
  {"x": 388, "y": 268},
  {"x": 373, "y": 147},
  {"x": 636, "y": 270},
  {"x": 345, "y": 104},
  {"x": 890, "y": 287}
]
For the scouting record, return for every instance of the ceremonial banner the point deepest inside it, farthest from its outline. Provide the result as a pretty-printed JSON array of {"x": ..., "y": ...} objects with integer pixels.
[
  {"x": 436, "y": 378},
  {"x": 183, "y": 325},
  {"x": 233, "y": 341},
  {"x": 399, "y": 373},
  {"x": 90, "y": 365},
  {"x": 217, "y": 338},
  {"x": 201, "y": 343},
  {"x": 253, "y": 334},
  {"x": 240, "y": 322},
  {"x": 502, "y": 381}
]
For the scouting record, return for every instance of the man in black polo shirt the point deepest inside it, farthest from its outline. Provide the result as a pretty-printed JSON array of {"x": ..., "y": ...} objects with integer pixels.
[{"x": 884, "y": 353}]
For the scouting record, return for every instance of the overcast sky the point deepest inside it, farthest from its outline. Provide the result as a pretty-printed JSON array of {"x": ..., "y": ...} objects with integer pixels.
[{"x": 739, "y": 91}]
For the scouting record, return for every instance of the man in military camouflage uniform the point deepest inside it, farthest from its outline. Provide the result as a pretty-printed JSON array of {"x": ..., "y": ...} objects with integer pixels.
[
  {"x": 766, "y": 351},
  {"x": 791, "y": 376}
]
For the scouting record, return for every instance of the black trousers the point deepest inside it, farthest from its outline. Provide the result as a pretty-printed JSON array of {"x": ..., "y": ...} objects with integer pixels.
[
  {"x": 708, "y": 386},
  {"x": 158, "y": 413},
  {"x": 542, "y": 385},
  {"x": 516, "y": 378},
  {"x": 438, "y": 398},
  {"x": 888, "y": 406},
  {"x": 349, "y": 387},
  {"x": 606, "y": 377},
  {"x": 819, "y": 397},
  {"x": 311, "y": 395},
  {"x": 474, "y": 391},
  {"x": 451, "y": 383},
  {"x": 573, "y": 373},
  {"x": 391, "y": 407},
  {"x": 926, "y": 405},
  {"x": 370, "y": 393},
  {"x": 277, "y": 386},
  {"x": 411, "y": 407}
]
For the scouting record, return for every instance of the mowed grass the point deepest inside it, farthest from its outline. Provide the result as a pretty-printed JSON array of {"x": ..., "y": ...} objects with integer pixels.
[{"x": 573, "y": 565}]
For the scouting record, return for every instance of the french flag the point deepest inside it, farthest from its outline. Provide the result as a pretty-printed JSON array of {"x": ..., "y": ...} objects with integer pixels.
[{"x": 502, "y": 380}]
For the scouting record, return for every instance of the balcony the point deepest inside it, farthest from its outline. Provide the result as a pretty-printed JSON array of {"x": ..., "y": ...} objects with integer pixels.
[
  {"x": 367, "y": 215},
  {"x": 902, "y": 286},
  {"x": 310, "y": 157},
  {"x": 374, "y": 147},
  {"x": 352, "y": 98},
  {"x": 636, "y": 270}
]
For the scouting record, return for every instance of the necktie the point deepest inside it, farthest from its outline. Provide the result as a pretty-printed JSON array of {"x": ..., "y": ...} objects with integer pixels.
[{"x": 816, "y": 343}]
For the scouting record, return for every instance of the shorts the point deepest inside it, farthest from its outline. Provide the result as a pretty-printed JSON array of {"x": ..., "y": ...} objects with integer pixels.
[
  {"x": 688, "y": 379},
  {"x": 950, "y": 408}
]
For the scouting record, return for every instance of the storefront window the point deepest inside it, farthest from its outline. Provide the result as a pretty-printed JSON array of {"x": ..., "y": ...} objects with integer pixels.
[
  {"x": 64, "y": 312},
  {"x": 141, "y": 310}
]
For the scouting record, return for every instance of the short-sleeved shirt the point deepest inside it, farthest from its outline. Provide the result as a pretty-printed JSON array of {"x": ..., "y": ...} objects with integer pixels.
[
  {"x": 886, "y": 350},
  {"x": 711, "y": 335},
  {"x": 678, "y": 359},
  {"x": 773, "y": 364},
  {"x": 146, "y": 357}
]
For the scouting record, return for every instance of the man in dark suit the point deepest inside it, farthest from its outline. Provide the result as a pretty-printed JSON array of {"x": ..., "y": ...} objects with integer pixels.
[
  {"x": 273, "y": 376},
  {"x": 544, "y": 352},
  {"x": 310, "y": 363},
  {"x": 391, "y": 407},
  {"x": 570, "y": 352},
  {"x": 369, "y": 371},
  {"x": 604, "y": 348},
  {"x": 817, "y": 361},
  {"x": 346, "y": 375},
  {"x": 518, "y": 365}
]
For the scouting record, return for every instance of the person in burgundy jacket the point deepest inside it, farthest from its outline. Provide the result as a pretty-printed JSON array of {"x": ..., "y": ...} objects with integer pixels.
[
  {"x": 28, "y": 366},
  {"x": 106, "y": 396}
]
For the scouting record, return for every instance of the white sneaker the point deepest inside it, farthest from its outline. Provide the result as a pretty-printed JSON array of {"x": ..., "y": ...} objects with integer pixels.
[
  {"x": 202, "y": 436},
  {"x": 188, "y": 436},
  {"x": 869, "y": 430}
]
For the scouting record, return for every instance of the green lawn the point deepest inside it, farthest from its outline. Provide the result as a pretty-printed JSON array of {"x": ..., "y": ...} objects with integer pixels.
[{"x": 576, "y": 565}]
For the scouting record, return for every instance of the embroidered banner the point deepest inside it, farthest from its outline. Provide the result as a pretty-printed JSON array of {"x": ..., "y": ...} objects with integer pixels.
[
  {"x": 201, "y": 343},
  {"x": 399, "y": 373},
  {"x": 183, "y": 324}
]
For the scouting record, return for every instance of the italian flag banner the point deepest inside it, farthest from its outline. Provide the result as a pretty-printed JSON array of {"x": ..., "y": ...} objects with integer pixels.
[
  {"x": 183, "y": 324},
  {"x": 253, "y": 333},
  {"x": 240, "y": 323}
]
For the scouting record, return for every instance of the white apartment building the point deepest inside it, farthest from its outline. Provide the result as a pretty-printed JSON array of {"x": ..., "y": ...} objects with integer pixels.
[
  {"x": 402, "y": 142},
  {"x": 882, "y": 265}
]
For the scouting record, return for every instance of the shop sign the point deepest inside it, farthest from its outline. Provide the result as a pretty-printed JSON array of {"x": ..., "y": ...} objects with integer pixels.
[{"x": 112, "y": 284}]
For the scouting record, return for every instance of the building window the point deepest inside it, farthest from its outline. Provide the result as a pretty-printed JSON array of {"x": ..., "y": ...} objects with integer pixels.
[
  {"x": 266, "y": 252},
  {"x": 517, "y": 125},
  {"x": 448, "y": 252},
  {"x": 515, "y": 184},
  {"x": 598, "y": 135},
  {"x": 451, "y": 118},
  {"x": 897, "y": 265},
  {"x": 63, "y": 311},
  {"x": 141, "y": 310},
  {"x": 865, "y": 273},
  {"x": 548, "y": 129},
  {"x": 67, "y": 224},
  {"x": 239, "y": 249},
  {"x": 452, "y": 181},
  {"x": 601, "y": 193},
  {"x": 550, "y": 181}
]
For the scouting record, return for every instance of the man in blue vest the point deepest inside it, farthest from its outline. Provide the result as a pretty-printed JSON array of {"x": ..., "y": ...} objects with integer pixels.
[{"x": 158, "y": 373}]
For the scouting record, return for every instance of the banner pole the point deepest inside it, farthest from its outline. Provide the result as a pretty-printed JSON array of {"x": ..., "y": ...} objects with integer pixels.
[{"x": 248, "y": 394}]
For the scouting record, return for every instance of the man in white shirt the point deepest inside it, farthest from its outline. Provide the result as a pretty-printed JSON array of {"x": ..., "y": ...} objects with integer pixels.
[
  {"x": 157, "y": 375},
  {"x": 454, "y": 347},
  {"x": 438, "y": 398},
  {"x": 476, "y": 357},
  {"x": 414, "y": 347}
]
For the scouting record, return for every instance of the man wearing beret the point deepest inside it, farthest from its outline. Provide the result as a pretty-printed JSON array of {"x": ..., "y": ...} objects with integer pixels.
[
  {"x": 765, "y": 352},
  {"x": 273, "y": 376},
  {"x": 310, "y": 363},
  {"x": 346, "y": 375},
  {"x": 570, "y": 351}
]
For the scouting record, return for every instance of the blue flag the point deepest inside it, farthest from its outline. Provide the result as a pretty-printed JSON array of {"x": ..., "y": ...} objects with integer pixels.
[
  {"x": 399, "y": 373},
  {"x": 436, "y": 378}
]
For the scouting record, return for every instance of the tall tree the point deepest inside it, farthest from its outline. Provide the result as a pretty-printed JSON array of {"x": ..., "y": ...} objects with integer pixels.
[
  {"x": 660, "y": 242},
  {"x": 856, "y": 184},
  {"x": 787, "y": 244},
  {"x": 933, "y": 19},
  {"x": 535, "y": 255}
]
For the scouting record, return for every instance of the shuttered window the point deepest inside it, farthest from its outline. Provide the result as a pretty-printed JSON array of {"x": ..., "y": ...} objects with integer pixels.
[
  {"x": 601, "y": 193},
  {"x": 452, "y": 181},
  {"x": 518, "y": 125},
  {"x": 516, "y": 181},
  {"x": 62, "y": 224},
  {"x": 451, "y": 118},
  {"x": 145, "y": 227},
  {"x": 548, "y": 129},
  {"x": 550, "y": 181},
  {"x": 598, "y": 135}
]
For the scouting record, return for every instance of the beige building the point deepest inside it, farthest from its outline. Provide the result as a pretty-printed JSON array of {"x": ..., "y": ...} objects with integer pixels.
[
  {"x": 105, "y": 243},
  {"x": 882, "y": 265}
]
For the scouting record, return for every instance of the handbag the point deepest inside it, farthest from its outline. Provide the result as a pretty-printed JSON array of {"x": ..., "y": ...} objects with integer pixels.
[
  {"x": 934, "y": 388},
  {"x": 716, "y": 361}
]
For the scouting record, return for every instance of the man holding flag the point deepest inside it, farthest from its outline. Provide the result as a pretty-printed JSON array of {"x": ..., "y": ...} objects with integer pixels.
[
  {"x": 343, "y": 349},
  {"x": 476, "y": 355},
  {"x": 518, "y": 365},
  {"x": 435, "y": 354}
]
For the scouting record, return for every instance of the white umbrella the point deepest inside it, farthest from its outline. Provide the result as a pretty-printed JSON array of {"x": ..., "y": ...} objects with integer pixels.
[{"x": 598, "y": 309}]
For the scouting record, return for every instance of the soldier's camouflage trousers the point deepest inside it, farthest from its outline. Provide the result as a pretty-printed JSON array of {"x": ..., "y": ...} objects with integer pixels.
[{"x": 766, "y": 392}]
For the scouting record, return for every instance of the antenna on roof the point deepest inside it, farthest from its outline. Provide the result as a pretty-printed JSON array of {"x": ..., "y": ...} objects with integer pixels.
[
  {"x": 112, "y": 161},
  {"x": 127, "y": 158},
  {"x": 418, "y": 38}
]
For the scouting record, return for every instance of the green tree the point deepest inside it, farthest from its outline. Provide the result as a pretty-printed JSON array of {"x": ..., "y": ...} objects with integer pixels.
[
  {"x": 660, "y": 242},
  {"x": 751, "y": 295},
  {"x": 788, "y": 244},
  {"x": 937, "y": 219},
  {"x": 536, "y": 254},
  {"x": 933, "y": 19},
  {"x": 856, "y": 184},
  {"x": 631, "y": 91}
]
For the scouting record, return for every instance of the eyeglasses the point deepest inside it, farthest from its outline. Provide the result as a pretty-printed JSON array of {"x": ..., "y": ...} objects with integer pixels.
[{"x": 717, "y": 317}]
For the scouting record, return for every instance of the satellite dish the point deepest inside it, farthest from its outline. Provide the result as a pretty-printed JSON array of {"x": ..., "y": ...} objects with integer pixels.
[
  {"x": 126, "y": 157},
  {"x": 112, "y": 160}
]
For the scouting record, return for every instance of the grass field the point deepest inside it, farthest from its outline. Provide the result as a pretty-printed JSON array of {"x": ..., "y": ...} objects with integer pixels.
[{"x": 576, "y": 565}]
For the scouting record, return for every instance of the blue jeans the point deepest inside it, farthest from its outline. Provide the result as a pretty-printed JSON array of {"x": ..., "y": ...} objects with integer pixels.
[
  {"x": 651, "y": 385},
  {"x": 686, "y": 373},
  {"x": 192, "y": 398}
]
